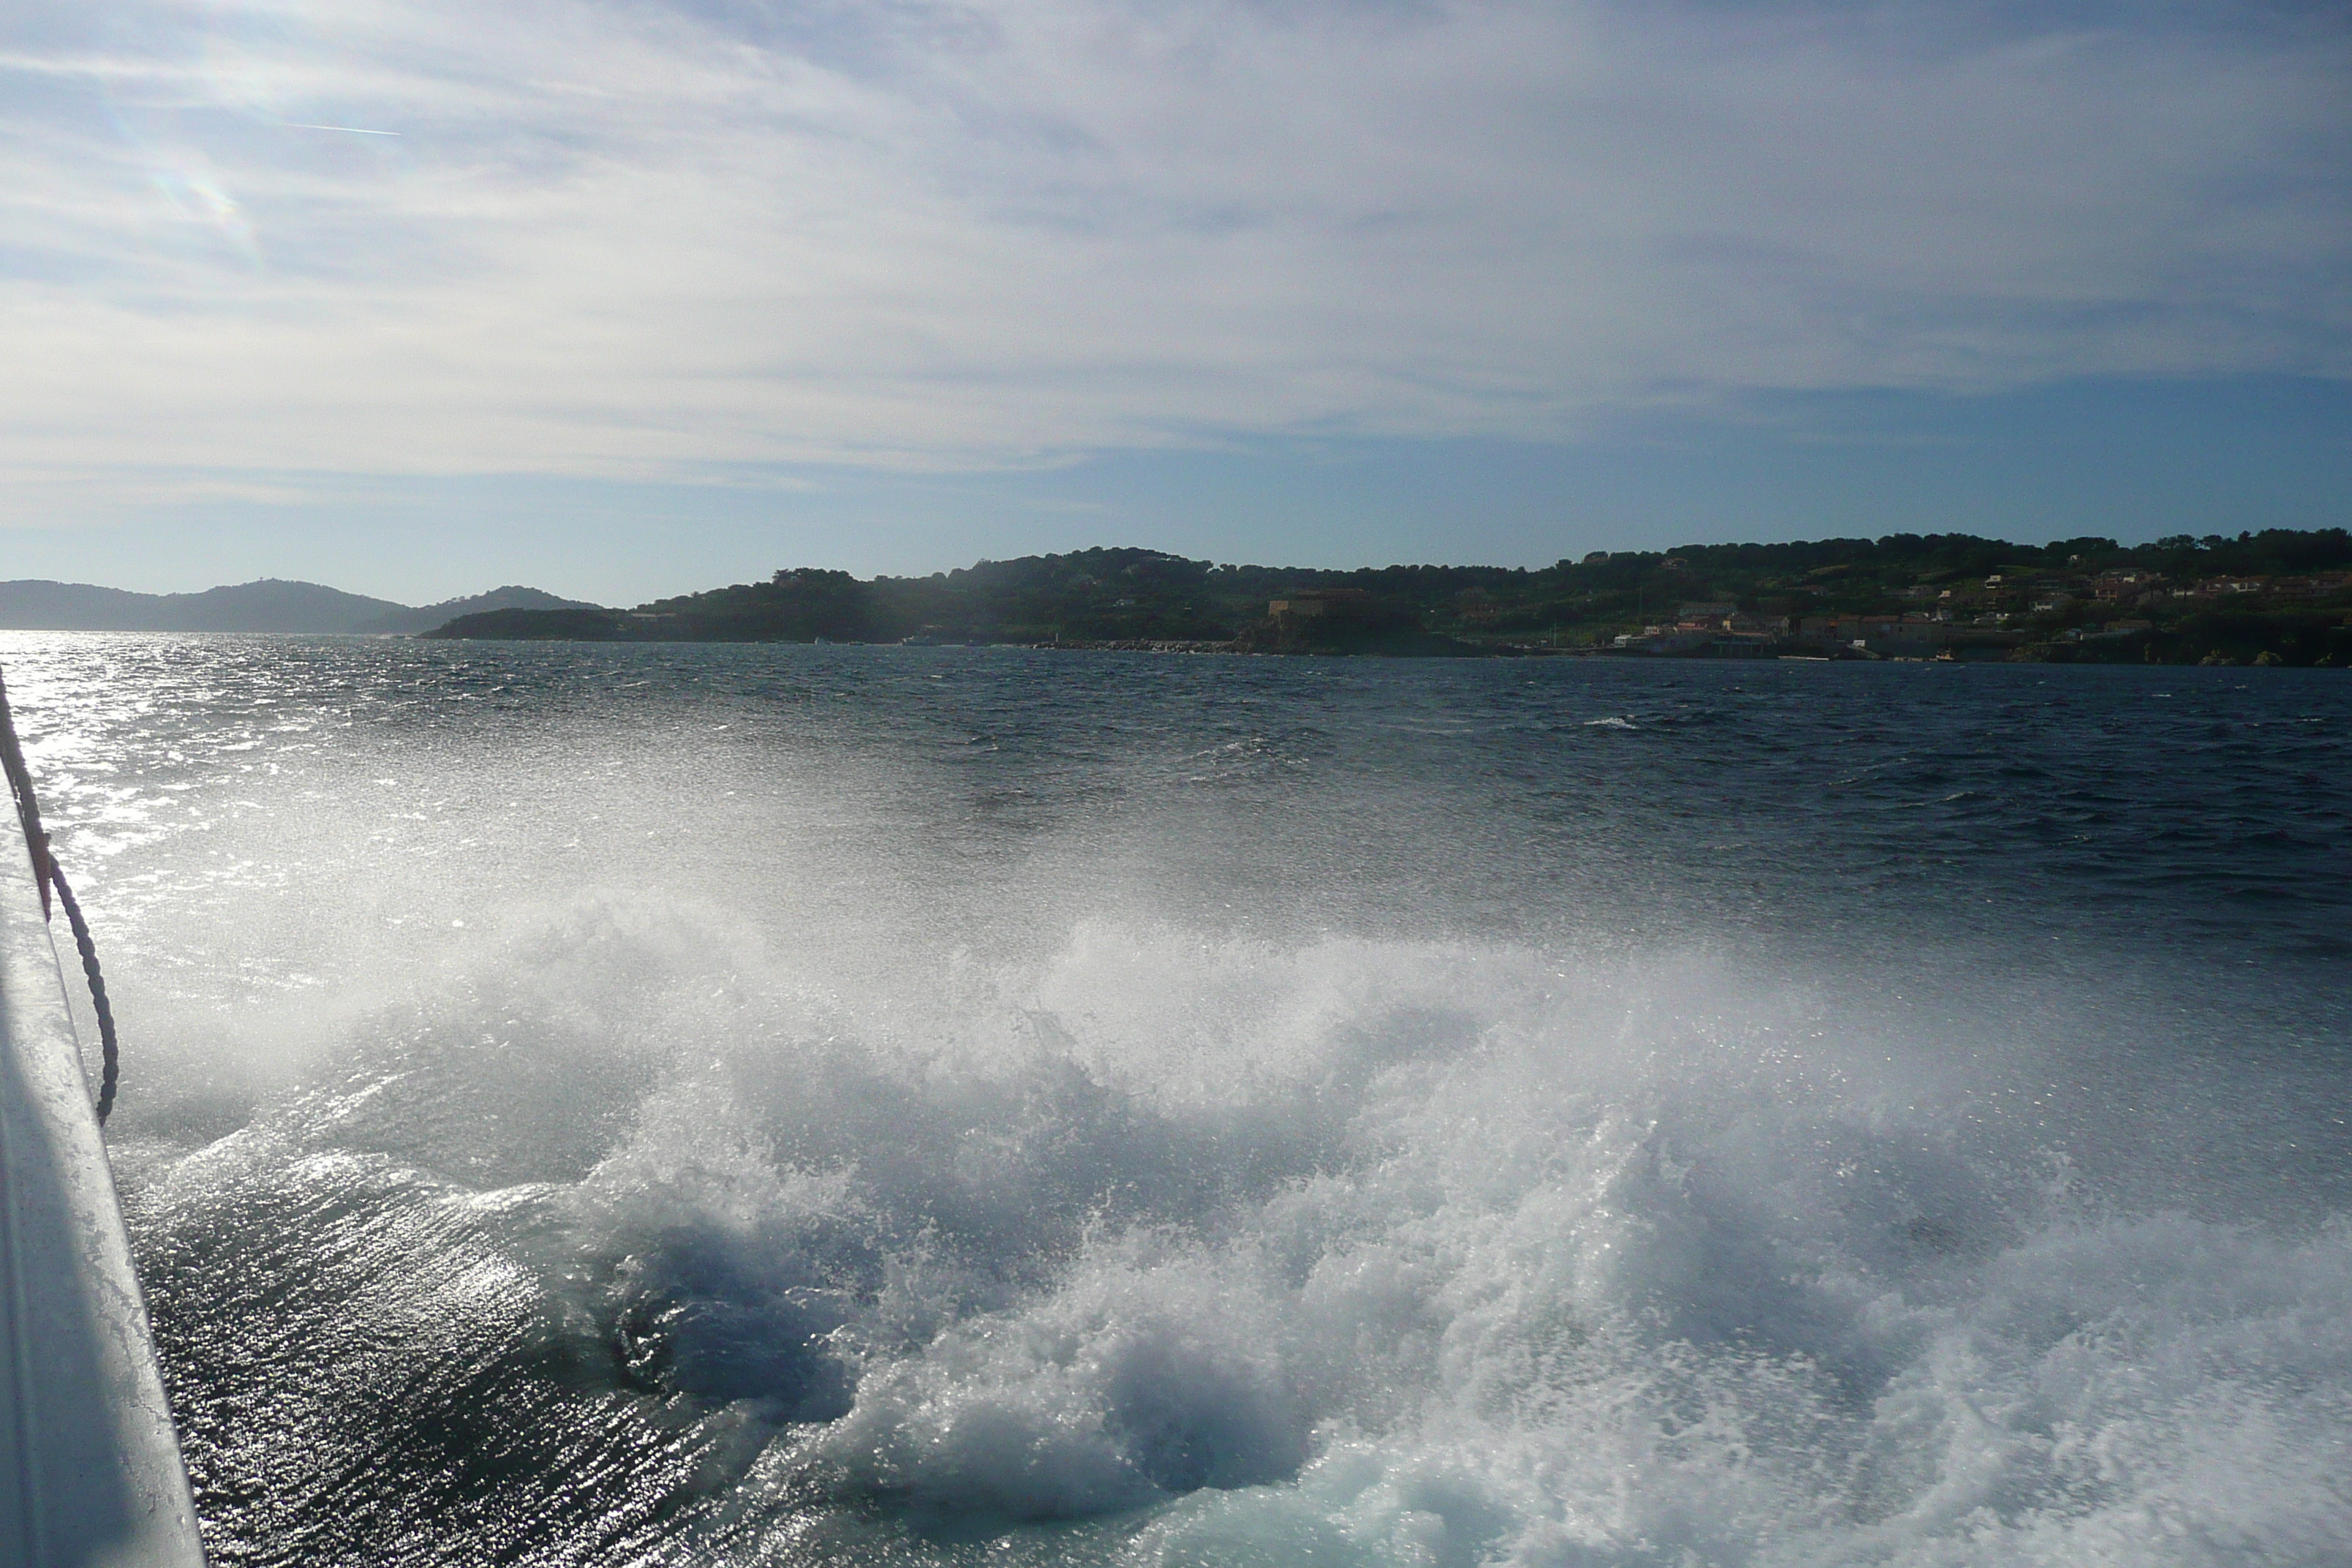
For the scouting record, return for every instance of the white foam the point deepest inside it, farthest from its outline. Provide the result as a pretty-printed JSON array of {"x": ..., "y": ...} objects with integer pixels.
[
  {"x": 1428, "y": 1253},
  {"x": 1378, "y": 1253}
]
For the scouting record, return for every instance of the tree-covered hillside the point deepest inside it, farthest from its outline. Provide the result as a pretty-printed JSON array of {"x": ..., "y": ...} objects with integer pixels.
[{"x": 2041, "y": 596}]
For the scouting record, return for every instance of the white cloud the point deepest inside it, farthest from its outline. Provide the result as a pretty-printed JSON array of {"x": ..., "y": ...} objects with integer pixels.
[{"x": 644, "y": 241}]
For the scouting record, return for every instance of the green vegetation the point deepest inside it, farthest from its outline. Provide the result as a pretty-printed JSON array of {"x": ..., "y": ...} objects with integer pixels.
[{"x": 2278, "y": 594}]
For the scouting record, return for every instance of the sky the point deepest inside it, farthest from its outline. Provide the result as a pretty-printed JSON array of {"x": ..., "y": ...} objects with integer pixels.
[{"x": 623, "y": 299}]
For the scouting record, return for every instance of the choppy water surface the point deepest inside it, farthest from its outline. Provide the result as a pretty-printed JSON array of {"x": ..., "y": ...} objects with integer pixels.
[{"x": 906, "y": 1106}]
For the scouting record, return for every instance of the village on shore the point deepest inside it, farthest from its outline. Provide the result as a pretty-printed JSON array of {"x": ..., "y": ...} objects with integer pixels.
[{"x": 2000, "y": 616}]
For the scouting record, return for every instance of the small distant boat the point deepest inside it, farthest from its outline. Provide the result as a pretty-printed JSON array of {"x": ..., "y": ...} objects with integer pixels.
[{"x": 90, "y": 1462}]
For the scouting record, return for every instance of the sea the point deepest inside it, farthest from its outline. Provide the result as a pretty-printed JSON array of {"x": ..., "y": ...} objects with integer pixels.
[{"x": 794, "y": 1105}]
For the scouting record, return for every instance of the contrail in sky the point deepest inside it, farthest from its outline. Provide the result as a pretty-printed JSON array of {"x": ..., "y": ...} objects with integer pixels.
[{"x": 355, "y": 129}]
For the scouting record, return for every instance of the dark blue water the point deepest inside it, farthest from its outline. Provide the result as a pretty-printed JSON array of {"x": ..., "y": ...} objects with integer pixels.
[{"x": 791, "y": 1105}]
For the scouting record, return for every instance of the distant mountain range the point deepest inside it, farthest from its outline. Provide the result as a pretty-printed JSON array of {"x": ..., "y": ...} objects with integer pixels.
[{"x": 268, "y": 605}]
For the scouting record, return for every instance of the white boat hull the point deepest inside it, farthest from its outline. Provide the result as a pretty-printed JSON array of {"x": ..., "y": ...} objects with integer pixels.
[{"x": 90, "y": 1464}]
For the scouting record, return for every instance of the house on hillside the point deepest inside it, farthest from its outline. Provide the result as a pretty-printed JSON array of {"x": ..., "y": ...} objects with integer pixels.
[{"x": 2123, "y": 586}]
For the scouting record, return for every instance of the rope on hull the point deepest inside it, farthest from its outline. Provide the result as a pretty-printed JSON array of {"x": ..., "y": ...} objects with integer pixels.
[{"x": 47, "y": 875}]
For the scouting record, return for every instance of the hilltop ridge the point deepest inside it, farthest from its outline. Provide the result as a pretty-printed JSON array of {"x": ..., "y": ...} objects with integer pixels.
[{"x": 267, "y": 604}]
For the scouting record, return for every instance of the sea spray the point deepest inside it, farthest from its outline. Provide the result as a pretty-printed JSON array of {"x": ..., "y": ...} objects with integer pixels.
[{"x": 1493, "y": 1259}]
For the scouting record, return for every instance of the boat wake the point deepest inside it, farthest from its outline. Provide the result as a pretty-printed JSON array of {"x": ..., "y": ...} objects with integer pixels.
[{"x": 626, "y": 1239}]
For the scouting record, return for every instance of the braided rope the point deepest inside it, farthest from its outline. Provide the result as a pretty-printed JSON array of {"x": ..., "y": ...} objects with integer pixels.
[
  {"x": 47, "y": 874},
  {"x": 110, "y": 1059}
]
